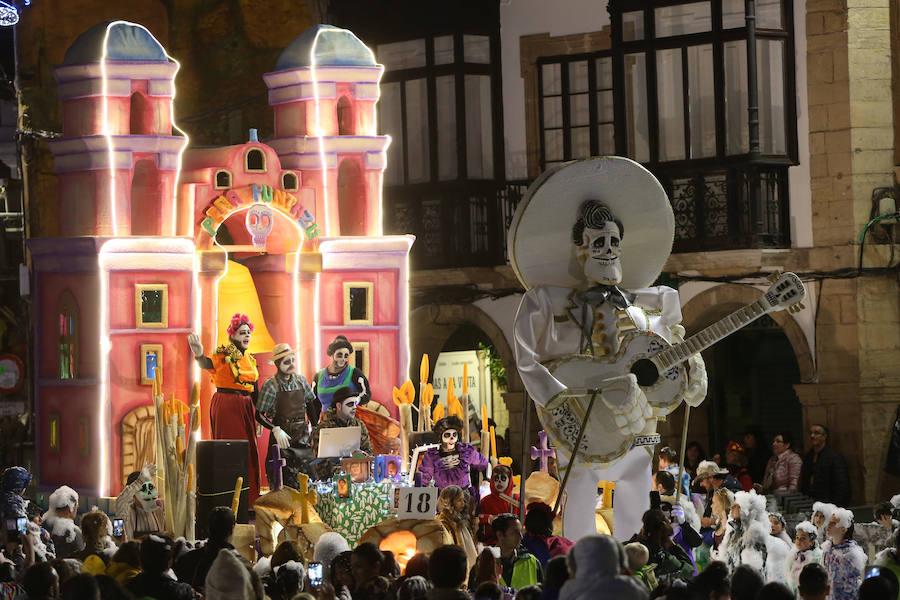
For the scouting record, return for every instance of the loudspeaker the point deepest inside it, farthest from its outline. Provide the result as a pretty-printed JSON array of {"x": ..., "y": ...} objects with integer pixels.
[{"x": 219, "y": 464}]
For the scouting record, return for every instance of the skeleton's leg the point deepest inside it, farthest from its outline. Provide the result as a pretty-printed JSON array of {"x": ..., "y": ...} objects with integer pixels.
[
  {"x": 631, "y": 498},
  {"x": 579, "y": 517}
]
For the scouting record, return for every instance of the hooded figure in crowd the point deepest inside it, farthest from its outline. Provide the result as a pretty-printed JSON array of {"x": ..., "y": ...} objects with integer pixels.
[
  {"x": 806, "y": 551},
  {"x": 597, "y": 565},
  {"x": 748, "y": 541},
  {"x": 12, "y": 488}
]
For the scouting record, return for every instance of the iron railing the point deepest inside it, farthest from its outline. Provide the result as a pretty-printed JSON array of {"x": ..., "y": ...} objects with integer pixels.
[{"x": 465, "y": 225}]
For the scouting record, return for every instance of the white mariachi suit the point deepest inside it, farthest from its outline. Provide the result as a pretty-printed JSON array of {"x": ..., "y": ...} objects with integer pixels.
[{"x": 549, "y": 325}]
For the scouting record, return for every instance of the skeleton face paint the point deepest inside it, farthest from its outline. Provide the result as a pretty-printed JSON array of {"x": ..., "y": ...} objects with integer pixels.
[
  {"x": 449, "y": 439},
  {"x": 500, "y": 480},
  {"x": 147, "y": 496},
  {"x": 287, "y": 365},
  {"x": 241, "y": 337},
  {"x": 340, "y": 358},
  {"x": 599, "y": 254},
  {"x": 347, "y": 409}
]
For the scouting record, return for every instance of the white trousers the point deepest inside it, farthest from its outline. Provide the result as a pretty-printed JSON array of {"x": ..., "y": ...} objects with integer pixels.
[{"x": 630, "y": 500}]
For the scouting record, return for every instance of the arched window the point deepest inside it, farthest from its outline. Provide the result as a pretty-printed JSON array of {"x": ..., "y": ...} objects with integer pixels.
[
  {"x": 289, "y": 182},
  {"x": 223, "y": 179},
  {"x": 141, "y": 118},
  {"x": 351, "y": 198},
  {"x": 345, "y": 117},
  {"x": 67, "y": 335},
  {"x": 255, "y": 160},
  {"x": 146, "y": 199}
]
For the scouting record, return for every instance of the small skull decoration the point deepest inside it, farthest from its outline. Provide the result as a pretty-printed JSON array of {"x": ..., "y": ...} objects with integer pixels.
[
  {"x": 259, "y": 223},
  {"x": 147, "y": 496}
]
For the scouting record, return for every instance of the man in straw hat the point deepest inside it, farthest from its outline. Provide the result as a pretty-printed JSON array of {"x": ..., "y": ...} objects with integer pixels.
[
  {"x": 284, "y": 400},
  {"x": 588, "y": 241}
]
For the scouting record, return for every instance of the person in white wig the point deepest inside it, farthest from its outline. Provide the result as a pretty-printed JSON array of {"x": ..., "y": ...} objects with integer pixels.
[
  {"x": 806, "y": 551},
  {"x": 747, "y": 539},
  {"x": 844, "y": 560}
]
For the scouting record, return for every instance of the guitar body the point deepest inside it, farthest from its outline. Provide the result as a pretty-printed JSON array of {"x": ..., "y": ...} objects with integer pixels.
[{"x": 603, "y": 442}]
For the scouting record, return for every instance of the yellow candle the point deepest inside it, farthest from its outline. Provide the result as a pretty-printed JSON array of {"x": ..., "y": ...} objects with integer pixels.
[
  {"x": 484, "y": 421},
  {"x": 450, "y": 390},
  {"x": 465, "y": 382},
  {"x": 236, "y": 499},
  {"x": 493, "y": 444},
  {"x": 423, "y": 370}
]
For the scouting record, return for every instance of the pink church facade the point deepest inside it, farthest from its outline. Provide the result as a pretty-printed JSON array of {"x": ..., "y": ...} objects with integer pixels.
[{"x": 152, "y": 231}]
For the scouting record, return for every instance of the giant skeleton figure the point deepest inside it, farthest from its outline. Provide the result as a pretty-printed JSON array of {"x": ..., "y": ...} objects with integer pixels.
[{"x": 583, "y": 230}]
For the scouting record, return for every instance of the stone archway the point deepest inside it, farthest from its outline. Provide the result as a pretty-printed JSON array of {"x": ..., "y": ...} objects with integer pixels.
[
  {"x": 138, "y": 439},
  {"x": 710, "y": 305}
]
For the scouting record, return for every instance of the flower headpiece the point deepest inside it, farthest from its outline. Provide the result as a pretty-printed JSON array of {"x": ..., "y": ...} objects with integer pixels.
[{"x": 238, "y": 319}]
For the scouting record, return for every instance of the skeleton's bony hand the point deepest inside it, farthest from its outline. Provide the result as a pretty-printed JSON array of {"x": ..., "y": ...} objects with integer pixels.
[
  {"x": 624, "y": 397},
  {"x": 282, "y": 439},
  {"x": 195, "y": 344},
  {"x": 148, "y": 472},
  {"x": 695, "y": 393}
]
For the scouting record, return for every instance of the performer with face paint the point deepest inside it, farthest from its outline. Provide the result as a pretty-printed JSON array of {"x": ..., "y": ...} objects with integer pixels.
[
  {"x": 339, "y": 373},
  {"x": 139, "y": 506},
  {"x": 342, "y": 413},
  {"x": 286, "y": 399},
  {"x": 449, "y": 464},
  {"x": 232, "y": 413},
  {"x": 501, "y": 499}
]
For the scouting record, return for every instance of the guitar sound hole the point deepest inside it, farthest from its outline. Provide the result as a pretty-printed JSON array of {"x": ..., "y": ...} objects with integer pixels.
[{"x": 645, "y": 372}]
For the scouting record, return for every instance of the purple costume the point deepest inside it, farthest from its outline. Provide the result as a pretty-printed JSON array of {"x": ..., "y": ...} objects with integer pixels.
[{"x": 432, "y": 467}]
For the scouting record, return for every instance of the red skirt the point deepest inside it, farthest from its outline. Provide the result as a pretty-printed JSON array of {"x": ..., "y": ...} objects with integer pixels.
[{"x": 232, "y": 417}]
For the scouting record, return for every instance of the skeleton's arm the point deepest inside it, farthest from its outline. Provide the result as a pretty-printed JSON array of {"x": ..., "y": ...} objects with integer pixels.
[{"x": 533, "y": 319}]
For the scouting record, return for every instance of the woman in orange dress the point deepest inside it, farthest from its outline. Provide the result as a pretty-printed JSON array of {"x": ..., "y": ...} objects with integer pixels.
[{"x": 232, "y": 412}]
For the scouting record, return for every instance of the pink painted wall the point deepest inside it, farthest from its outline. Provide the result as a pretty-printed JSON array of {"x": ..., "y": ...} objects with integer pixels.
[
  {"x": 84, "y": 116},
  {"x": 68, "y": 465},
  {"x": 384, "y": 302},
  {"x": 291, "y": 119},
  {"x": 85, "y": 289},
  {"x": 121, "y": 296}
]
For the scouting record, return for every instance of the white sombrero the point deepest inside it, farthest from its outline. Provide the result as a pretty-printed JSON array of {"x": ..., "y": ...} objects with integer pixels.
[{"x": 540, "y": 236}]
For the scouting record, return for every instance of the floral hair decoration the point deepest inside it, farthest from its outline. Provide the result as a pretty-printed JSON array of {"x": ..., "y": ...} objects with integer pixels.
[{"x": 237, "y": 320}]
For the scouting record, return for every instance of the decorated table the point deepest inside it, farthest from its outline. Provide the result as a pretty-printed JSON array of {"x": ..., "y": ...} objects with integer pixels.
[{"x": 368, "y": 505}]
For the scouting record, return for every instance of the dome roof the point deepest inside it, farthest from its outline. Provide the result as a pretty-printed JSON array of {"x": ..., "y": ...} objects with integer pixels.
[
  {"x": 126, "y": 42},
  {"x": 325, "y": 45}
]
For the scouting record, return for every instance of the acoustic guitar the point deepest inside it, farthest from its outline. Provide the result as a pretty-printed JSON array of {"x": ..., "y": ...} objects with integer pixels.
[{"x": 659, "y": 368}]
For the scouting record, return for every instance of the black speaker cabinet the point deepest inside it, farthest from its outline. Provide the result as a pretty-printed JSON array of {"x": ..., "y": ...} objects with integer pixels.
[{"x": 219, "y": 464}]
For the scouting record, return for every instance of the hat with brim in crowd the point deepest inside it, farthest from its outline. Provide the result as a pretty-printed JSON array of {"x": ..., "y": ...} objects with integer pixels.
[
  {"x": 540, "y": 234},
  {"x": 708, "y": 468},
  {"x": 280, "y": 351}
]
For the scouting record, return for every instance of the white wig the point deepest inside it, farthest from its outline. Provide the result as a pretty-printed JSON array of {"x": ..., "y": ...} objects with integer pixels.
[
  {"x": 752, "y": 507},
  {"x": 63, "y": 497},
  {"x": 844, "y": 517},
  {"x": 895, "y": 501},
  {"x": 825, "y": 508}
]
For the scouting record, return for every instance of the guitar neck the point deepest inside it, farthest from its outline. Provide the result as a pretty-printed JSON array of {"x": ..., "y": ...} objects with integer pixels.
[{"x": 709, "y": 336}]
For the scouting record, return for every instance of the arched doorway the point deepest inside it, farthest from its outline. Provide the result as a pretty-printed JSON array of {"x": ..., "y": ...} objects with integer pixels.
[
  {"x": 140, "y": 116},
  {"x": 146, "y": 199},
  {"x": 345, "y": 117},
  {"x": 351, "y": 198}
]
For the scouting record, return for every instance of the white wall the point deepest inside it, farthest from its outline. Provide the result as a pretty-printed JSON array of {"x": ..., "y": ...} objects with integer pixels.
[
  {"x": 565, "y": 17},
  {"x": 527, "y": 17}
]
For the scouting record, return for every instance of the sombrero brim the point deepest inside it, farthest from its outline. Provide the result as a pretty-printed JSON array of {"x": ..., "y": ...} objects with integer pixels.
[
  {"x": 281, "y": 355},
  {"x": 540, "y": 235}
]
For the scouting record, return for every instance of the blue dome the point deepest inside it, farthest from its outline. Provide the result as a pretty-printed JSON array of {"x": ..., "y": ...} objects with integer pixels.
[
  {"x": 126, "y": 42},
  {"x": 334, "y": 47}
]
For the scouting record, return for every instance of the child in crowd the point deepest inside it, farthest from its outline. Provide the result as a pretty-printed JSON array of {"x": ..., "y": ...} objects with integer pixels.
[
  {"x": 455, "y": 516},
  {"x": 638, "y": 556},
  {"x": 778, "y": 528},
  {"x": 806, "y": 551},
  {"x": 844, "y": 560}
]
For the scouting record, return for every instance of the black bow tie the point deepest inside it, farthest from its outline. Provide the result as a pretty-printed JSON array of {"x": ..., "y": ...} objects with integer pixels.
[{"x": 599, "y": 294}]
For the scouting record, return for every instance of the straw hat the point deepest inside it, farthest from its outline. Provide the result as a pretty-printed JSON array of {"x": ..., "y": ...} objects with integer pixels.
[
  {"x": 540, "y": 235},
  {"x": 280, "y": 351},
  {"x": 708, "y": 468}
]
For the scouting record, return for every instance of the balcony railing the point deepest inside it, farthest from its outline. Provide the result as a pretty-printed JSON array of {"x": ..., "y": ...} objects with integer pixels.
[{"x": 465, "y": 225}]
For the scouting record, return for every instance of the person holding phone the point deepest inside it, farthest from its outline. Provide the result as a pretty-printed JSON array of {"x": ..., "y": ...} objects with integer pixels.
[{"x": 12, "y": 490}]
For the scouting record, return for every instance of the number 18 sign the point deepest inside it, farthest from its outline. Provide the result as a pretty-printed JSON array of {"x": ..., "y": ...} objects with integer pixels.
[{"x": 417, "y": 502}]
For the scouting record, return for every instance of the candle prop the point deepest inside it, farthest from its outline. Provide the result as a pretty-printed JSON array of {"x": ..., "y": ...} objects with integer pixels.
[
  {"x": 307, "y": 497},
  {"x": 424, "y": 407},
  {"x": 438, "y": 412},
  {"x": 454, "y": 408},
  {"x": 236, "y": 498},
  {"x": 485, "y": 434},
  {"x": 493, "y": 444},
  {"x": 543, "y": 452},
  {"x": 404, "y": 398}
]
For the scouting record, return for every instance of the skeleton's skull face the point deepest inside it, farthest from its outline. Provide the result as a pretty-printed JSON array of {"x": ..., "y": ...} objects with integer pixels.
[
  {"x": 259, "y": 222},
  {"x": 500, "y": 479},
  {"x": 449, "y": 439},
  {"x": 599, "y": 254},
  {"x": 287, "y": 365},
  {"x": 147, "y": 496}
]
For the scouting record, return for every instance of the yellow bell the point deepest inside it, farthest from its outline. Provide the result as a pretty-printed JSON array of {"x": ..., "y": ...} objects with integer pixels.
[{"x": 237, "y": 294}]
